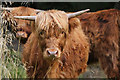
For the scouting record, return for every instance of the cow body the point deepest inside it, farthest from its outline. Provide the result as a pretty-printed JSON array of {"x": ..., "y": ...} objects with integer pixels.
[
  {"x": 102, "y": 28},
  {"x": 68, "y": 41}
]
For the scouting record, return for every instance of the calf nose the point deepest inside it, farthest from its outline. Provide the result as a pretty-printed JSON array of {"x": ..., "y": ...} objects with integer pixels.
[{"x": 52, "y": 52}]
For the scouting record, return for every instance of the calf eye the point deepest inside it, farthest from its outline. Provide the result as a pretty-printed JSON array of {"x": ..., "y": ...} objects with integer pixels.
[
  {"x": 62, "y": 32},
  {"x": 41, "y": 33},
  {"x": 28, "y": 24}
]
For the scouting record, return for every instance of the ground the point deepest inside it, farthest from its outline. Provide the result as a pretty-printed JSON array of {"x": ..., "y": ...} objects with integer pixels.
[{"x": 93, "y": 71}]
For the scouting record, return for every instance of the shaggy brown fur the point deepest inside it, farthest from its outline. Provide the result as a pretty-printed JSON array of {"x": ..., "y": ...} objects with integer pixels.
[
  {"x": 23, "y": 27},
  {"x": 68, "y": 39},
  {"x": 102, "y": 28}
]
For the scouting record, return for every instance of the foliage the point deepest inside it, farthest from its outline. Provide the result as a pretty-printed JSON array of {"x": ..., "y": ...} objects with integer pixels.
[{"x": 10, "y": 63}]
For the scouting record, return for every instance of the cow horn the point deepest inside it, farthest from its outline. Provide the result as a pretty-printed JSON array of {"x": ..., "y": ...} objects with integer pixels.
[
  {"x": 9, "y": 9},
  {"x": 26, "y": 17},
  {"x": 37, "y": 10},
  {"x": 70, "y": 15}
]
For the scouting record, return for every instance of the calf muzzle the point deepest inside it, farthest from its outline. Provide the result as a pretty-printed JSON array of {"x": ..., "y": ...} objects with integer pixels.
[{"x": 53, "y": 52}]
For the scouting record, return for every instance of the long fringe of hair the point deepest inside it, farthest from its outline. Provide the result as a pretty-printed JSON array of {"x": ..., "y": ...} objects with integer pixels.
[{"x": 49, "y": 19}]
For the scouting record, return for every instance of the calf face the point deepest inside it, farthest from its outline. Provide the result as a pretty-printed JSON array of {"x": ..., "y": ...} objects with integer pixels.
[
  {"x": 52, "y": 30},
  {"x": 23, "y": 26},
  {"x": 52, "y": 44}
]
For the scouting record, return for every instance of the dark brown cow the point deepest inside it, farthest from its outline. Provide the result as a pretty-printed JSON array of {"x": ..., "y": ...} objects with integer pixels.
[
  {"x": 56, "y": 48},
  {"x": 102, "y": 28}
]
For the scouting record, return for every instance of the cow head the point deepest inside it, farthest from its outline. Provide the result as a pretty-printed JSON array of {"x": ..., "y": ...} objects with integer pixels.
[
  {"x": 51, "y": 29},
  {"x": 23, "y": 27}
]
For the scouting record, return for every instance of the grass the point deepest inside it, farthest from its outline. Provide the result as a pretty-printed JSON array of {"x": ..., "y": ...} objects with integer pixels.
[
  {"x": 10, "y": 60},
  {"x": 13, "y": 66}
]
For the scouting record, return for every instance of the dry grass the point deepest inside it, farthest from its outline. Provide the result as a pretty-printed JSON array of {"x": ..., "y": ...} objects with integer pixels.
[{"x": 10, "y": 62}]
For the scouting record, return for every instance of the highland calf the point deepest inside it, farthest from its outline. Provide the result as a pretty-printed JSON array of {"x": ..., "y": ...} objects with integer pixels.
[{"x": 56, "y": 48}]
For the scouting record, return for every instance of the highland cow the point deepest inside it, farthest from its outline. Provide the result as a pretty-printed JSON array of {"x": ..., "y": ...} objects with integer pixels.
[
  {"x": 102, "y": 29},
  {"x": 56, "y": 48},
  {"x": 21, "y": 28}
]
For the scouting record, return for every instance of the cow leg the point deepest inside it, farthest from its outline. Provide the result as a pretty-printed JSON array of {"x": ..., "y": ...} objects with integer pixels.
[
  {"x": 109, "y": 67},
  {"x": 108, "y": 58}
]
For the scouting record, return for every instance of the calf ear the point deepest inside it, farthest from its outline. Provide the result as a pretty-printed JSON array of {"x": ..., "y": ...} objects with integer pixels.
[{"x": 74, "y": 23}]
